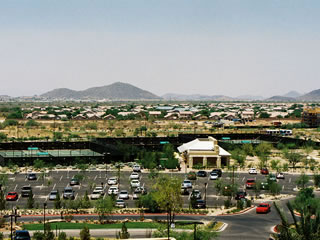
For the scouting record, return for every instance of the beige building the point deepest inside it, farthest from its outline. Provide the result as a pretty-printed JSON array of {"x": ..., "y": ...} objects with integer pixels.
[{"x": 204, "y": 151}]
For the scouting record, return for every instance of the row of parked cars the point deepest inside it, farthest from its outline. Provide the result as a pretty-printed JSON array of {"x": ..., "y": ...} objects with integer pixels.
[{"x": 265, "y": 171}]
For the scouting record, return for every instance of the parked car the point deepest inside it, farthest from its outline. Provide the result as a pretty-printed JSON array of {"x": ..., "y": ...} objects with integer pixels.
[
  {"x": 272, "y": 178},
  {"x": 26, "y": 191},
  {"x": 201, "y": 173},
  {"x": 240, "y": 195},
  {"x": 120, "y": 203},
  {"x": 113, "y": 181},
  {"x": 264, "y": 171},
  {"x": 53, "y": 195},
  {"x": 263, "y": 208},
  {"x": 187, "y": 184},
  {"x": 214, "y": 176},
  {"x": 200, "y": 204},
  {"x": 184, "y": 191},
  {"x": 196, "y": 193},
  {"x": 136, "y": 168},
  {"x": 253, "y": 171},
  {"x": 123, "y": 194},
  {"x": 68, "y": 193},
  {"x": 135, "y": 183},
  {"x": 134, "y": 175},
  {"x": 99, "y": 189},
  {"x": 21, "y": 235},
  {"x": 113, "y": 190},
  {"x": 192, "y": 176},
  {"x": 218, "y": 171},
  {"x": 136, "y": 194},
  {"x": 280, "y": 175},
  {"x": 12, "y": 196},
  {"x": 250, "y": 183},
  {"x": 32, "y": 176},
  {"x": 264, "y": 185},
  {"x": 74, "y": 182},
  {"x": 141, "y": 190},
  {"x": 96, "y": 194}
]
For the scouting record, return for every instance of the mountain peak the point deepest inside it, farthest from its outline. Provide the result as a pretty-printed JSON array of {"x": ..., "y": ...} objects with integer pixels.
[{"x": 114, "y": 91}]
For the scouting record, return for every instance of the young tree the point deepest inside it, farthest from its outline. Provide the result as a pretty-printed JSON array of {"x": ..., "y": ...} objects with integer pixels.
[
  {"x": 275, "y": 188},
  {"x": 293, "y": 157},
  {"x": 57, "y": 201},
  {"x": 240, "y": 156},
  {"x": 167, "y": 195},
  {"x": 30, "y": 201},
  {"x": 302, "y": 180},
  {"x": 104, "y": 208},
  {"x": 124, "y": 234}
]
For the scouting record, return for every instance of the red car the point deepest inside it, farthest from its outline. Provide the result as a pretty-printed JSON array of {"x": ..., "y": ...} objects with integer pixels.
[
  {"x": 12, "y": 196},
  {"x": 250, "y": 183},
  {"x": 263, "y": 208},
  {"x": 264, "y": 171}
]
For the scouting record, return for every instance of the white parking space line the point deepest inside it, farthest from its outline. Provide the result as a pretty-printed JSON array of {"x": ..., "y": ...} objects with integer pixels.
[
  {"x": 282, "y": 187},
  {"x": 61, "y": 178},
  {"x": 25, "y": 179},
  {"x": 15, "y": 187},
  {"x": 243, "y": 179},
  {"x": 289, "y": 180},
  {"x": 95, "y": 177},
  {"x": 76, "y": 196},
  {"x": 54, "y": 186}
]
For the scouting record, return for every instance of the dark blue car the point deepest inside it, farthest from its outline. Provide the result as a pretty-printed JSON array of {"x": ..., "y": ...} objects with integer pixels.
[{"x": 22, "y": 235}]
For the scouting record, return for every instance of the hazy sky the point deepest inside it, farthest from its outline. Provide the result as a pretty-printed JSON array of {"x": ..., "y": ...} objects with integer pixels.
[{"x": 230, "y": 47}]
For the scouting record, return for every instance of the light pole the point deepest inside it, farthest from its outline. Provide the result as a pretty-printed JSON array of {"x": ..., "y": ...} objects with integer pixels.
[
  {"x": 11, "y": 216},
  {"x": 205, "y": 193},
  {"x": 44, "y": 217}
]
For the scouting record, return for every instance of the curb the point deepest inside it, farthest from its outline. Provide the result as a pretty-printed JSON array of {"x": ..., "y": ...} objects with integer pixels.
[
  {"x": 237, "y": 213},
  {"x": 223, "y": 227}
]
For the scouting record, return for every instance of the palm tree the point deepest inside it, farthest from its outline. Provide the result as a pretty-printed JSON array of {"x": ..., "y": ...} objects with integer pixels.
[{"x": 305, "y": 227}]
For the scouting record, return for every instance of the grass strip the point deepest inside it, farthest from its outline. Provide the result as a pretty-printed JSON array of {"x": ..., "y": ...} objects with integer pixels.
[{"x": 65, "y": 225}]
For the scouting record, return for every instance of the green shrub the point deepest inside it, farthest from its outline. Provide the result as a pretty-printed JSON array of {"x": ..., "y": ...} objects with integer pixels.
[
  {"x": 62, "y": 236},
  {"x": 85, "y": 233},
  {"x": 240, "y": 204},
  {"x": 227, "y": 203}
]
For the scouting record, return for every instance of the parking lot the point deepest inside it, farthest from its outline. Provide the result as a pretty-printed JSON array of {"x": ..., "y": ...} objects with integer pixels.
[{"x": 61, "y": 178}]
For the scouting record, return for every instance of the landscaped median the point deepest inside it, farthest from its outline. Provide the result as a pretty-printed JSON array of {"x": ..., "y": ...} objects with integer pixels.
[{"x": 118, "y": 225}]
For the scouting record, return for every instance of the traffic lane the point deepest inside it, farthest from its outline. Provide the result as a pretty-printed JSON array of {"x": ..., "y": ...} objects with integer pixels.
[{"x": 249, "y": 225}]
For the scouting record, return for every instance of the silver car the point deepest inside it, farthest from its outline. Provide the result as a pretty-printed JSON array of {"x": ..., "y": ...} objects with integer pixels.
[
  {"x": 123, "y": 194},
  {"x": 68, "y": 193},
  {"x": 53, "y": 195}
]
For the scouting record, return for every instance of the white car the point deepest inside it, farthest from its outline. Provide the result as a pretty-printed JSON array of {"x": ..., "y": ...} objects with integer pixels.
[
  {"x": 214, "y": 176},
  {"x": 123, "y": 194},
  {"x": 113, "y": 181},
  {"x": 134, "y": 175},
  {"x": 136, "y": 168},
  {"x": 113, "y": 190},
  {"x": 99, "y": 188},
  {"x": 96, "y": 194},
  {"x": 253, "y": 171},
  {"x": 120, "y": 203},
  {"x": 135, "y": 183},
  {"x": 186, "y": 184},
  {"x": 280, "y": 175}
]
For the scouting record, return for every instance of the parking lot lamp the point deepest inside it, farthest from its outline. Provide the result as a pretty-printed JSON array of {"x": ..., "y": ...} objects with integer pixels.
[
  {"x": 205, "y": 192},
  {"x": 11, "y": 216},
  {"x": 44, "y": 217}
]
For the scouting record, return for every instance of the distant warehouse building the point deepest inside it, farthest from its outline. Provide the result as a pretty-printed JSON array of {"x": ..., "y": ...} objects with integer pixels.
[
  {"x": 204, "y": 152},
  {"x": 311, "y": 117}
]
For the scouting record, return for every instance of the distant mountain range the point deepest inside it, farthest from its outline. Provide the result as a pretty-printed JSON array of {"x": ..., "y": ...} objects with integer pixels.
[
  {"x": 125, "y": 91},
  {"x": 115, "y": 91},
  {"x": 195, "y": 97}
]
